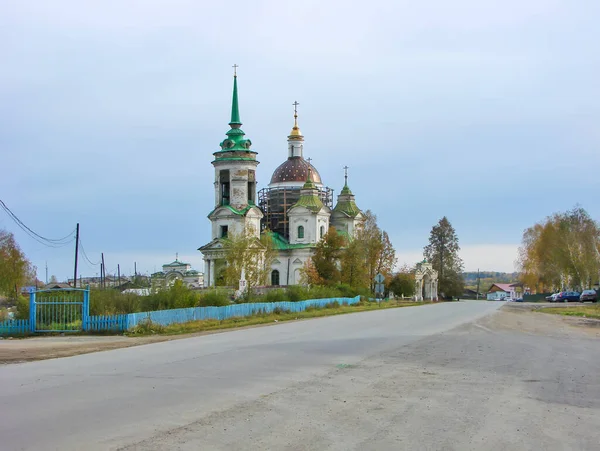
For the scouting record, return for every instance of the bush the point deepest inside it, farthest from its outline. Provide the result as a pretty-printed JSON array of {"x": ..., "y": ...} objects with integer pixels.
[
  {"x": 214, "y": 298},
  {"x": 280, "y": 310},
  {"x": 147, "y": 327},
  {"x": 22, "y": 308},
  {"x": 278, "y": 295},
  {"x": 296, "y": 293}
]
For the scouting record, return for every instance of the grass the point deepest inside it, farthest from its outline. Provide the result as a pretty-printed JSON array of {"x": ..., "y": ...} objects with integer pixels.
[
  {"x": 583, "y": 311},
  {"x": 231, "y": 323}
]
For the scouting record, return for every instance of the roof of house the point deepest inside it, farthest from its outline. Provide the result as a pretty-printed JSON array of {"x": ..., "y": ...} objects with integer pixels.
[{"x": 502, "y": 286}]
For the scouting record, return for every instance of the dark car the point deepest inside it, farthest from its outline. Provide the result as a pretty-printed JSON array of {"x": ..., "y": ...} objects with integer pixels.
[
  {"x": 588, "y": 295},
  {"x": 568, "y": 296}
]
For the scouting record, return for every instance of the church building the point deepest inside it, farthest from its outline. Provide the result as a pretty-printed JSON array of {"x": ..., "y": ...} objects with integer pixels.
[{"x": 296, "y": 207}]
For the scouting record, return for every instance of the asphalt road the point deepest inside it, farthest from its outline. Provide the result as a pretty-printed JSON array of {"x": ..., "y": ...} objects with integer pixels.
[{"x": 410, "y": 378}]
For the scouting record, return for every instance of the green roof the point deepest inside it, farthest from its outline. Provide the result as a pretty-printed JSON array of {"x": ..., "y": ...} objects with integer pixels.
[
  {"x": 346, "y": 204},
  {"x": 177, "y": 263},
  {"x": 281, "y": 244},
  {"x": 348, "y": 207},
  {"x": 346, "y": 190},
  {"x": 237, "y": 212},
  {"x": 309, "y": 200}
]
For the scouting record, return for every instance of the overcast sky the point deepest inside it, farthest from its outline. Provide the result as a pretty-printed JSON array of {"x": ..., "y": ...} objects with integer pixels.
[{"x": 487, "y": 112}]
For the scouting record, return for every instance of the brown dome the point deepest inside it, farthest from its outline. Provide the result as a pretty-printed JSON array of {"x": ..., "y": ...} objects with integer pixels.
[{"x": 294, "y": 170}]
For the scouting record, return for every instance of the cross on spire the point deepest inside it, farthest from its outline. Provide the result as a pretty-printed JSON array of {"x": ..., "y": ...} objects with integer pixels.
[
  {"x": 346, "y": 175},
  {"x": 309, "y": 172},
  {"x": 235, "y": 66},
  {"x": 295, "y": 113}
]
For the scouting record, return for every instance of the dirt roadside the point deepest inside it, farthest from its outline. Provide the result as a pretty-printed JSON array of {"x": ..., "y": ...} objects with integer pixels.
[
  {"x": 42, "y": 348},
  {"x": 511, "y": 317}
]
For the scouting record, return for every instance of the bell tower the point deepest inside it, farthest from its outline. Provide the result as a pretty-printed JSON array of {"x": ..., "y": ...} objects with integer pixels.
[
  {"x": 235, "y": 179},
  {"x": 235, "y": 209}
]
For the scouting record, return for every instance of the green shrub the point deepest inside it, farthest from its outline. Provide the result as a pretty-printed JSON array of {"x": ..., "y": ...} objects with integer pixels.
[
  {"x": 146, "y": 327},
  {"x": 22, "y": 308},
  {"x": 280, "y": 310},
  {"x": 296, "y": 293},
  {"x": 278, "y": 295},
  {"x": 215, "y": 298}
]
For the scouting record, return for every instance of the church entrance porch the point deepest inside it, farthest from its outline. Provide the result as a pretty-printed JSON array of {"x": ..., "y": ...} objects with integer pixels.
[{"x": 426, "y": 282}]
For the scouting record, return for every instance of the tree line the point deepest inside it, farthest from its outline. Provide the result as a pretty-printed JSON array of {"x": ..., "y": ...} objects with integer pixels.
[{"x": 561, "y": 252}]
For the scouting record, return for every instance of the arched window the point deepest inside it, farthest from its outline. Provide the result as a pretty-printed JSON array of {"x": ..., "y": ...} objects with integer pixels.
[
  {"x": 322, "y": 231},
  {"x": 275, "y": 277},
  {"x": 300, "y": 232}
]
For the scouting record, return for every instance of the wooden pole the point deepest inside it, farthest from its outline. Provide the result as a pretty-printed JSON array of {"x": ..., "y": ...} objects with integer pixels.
[{"x": 76, "y": 254}]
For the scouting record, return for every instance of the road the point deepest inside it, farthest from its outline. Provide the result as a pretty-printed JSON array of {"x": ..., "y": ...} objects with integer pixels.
[{"x": 430, "y": 377}]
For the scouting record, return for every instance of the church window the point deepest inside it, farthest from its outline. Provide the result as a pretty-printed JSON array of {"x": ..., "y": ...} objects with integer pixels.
[
  {"x": 300, "y": 232},
  {"x": 224, "y": 180},
  {"x": 224, "y": 230},
  {"x": 322, "y": 231},
  {"x": 275, "y": 277},
  {"x": 251, "y": 187}
]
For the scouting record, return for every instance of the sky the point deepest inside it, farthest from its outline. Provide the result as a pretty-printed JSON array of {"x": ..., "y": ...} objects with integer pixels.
[{"x": 486, "y": 112}]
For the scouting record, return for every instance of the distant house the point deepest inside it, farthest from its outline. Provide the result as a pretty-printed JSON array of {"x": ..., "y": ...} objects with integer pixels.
[
  {"x": 500, "y": 290},
  {"x": 57, "y": 286},
  {"x": 471, "y": 294}
]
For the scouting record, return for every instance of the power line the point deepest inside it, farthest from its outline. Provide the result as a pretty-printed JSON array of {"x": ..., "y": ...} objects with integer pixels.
[
  {"x": 49, "y": 242},
  {"x": 85, "y": 255}
]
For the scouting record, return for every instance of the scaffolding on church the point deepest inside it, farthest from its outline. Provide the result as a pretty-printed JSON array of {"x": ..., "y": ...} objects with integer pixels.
[{"x": 275, "y": 203}]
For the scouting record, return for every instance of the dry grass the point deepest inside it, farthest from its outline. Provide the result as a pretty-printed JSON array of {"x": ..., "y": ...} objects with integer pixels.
[
  {"x": 231, "y": 323},
  {"x": 583, "y": 311}
]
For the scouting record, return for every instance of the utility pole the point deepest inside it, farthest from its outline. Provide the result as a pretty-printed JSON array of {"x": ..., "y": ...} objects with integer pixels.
[
  {"x": 135, "y": 268},
  {"x": 119, "y": 272},
  {"x": 477, "y": 283},
  {"x": 103, "y": 273},
  {"x": 76, "y": 252},
  {"x": 46, "y": 273}
]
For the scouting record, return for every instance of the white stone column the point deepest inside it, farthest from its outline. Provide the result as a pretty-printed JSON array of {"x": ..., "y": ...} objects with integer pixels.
[
  {"x": 206, "y": 280},
  {"x": 212, "y": 273}
]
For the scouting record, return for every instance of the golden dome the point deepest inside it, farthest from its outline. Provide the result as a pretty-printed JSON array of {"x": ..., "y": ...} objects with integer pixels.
[{"x": 296, "y": 133}]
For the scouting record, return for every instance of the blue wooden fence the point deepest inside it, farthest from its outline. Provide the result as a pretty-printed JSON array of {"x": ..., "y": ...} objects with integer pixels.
[
  {"x": 13, "y": 327},
  {"x": 108, "y": 323},
  {"x": 184, "y": 315},
  {"x": 121, "y": 323}
]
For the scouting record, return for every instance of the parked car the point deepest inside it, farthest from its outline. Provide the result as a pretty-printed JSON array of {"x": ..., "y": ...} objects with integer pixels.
[
  {"x": 588, "y": 295},
  {"x": 552, "y": 297},
  {"x": 568, "y": 296}
]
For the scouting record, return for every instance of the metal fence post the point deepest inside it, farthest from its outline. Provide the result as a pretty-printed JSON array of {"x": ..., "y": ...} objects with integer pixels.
[
  {"x": 32, "y": 310},
  {"x": 85, "y": 314}
]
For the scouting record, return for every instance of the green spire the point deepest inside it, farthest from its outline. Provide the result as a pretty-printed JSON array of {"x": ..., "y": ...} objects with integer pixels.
[
  {"x": 346, "y": 203},
  {"x": 235, "y": 110},
  {"x": 235, "y": 140}
]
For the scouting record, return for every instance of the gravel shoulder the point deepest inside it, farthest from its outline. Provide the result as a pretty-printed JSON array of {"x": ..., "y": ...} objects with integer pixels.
[{"x": 515, "y": 379}]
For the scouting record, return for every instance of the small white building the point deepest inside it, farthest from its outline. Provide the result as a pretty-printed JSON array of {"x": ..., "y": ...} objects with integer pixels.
[
  {"x": 177, "y": 271},
  {"x": 501, "y": 290}
]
